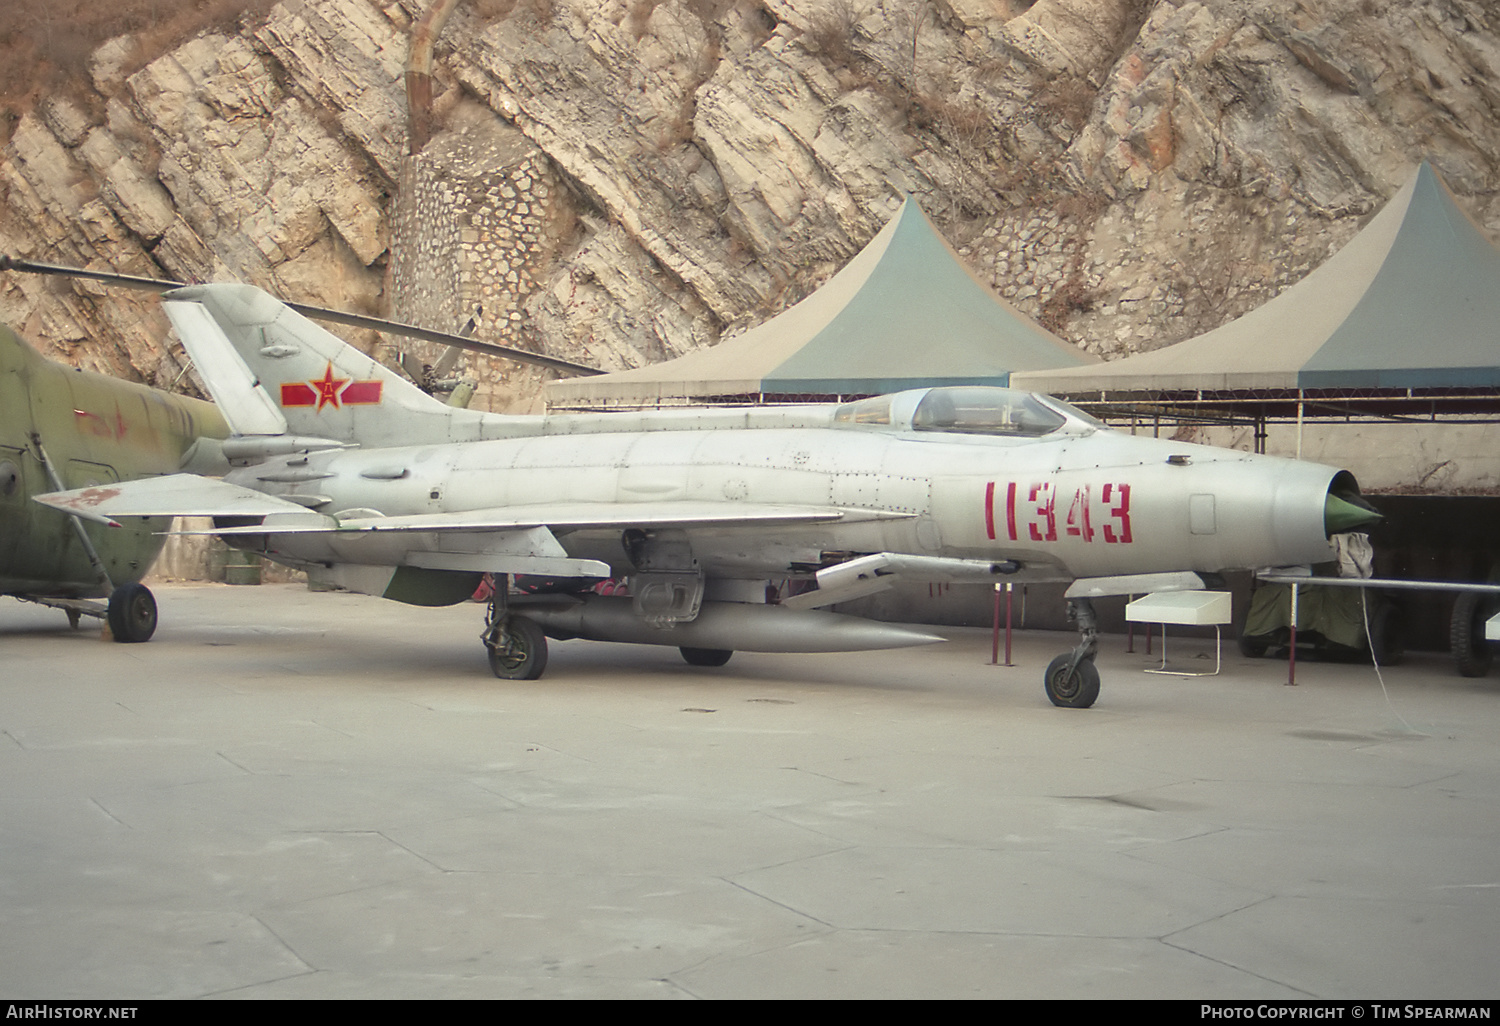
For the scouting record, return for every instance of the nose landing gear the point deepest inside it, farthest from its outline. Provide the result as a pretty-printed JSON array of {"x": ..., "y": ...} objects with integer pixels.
[{"x": 1072, "y": 679}]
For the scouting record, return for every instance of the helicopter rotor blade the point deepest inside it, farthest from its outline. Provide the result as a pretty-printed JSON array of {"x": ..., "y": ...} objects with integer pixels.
[
  {"x": 129, "y": 281},
  {"x": 8, "y": 263},
  {"x": 446, "y": 362}
]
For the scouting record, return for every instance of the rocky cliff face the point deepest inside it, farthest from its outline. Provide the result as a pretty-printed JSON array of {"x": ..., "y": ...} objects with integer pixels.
[{"x": 620, "y": 181}]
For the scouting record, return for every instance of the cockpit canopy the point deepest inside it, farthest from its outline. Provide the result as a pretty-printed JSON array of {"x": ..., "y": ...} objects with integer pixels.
[{"x": 966, "y": 410}]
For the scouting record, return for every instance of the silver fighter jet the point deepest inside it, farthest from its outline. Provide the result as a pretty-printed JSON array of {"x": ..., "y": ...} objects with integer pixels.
[{"x": 708, "y": 529}]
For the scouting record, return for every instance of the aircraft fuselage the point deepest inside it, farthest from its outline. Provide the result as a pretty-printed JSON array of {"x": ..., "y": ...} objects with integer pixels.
[{"x": 1065, "y": 505}]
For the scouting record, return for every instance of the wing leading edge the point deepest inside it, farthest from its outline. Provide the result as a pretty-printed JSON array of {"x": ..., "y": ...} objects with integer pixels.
[
  {"x": 514, "y": 539},
  {"x": 189, "y": 495}
]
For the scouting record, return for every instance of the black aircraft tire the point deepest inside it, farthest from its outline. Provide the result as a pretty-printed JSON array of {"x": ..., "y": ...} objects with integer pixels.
[
  {"x": 522, "y": 653},
  {"x": 132, "y": 613},
  {"x": 1472, "y": 655},
  {"x": 1077, "y": 690},
  {"x": 706, "y": 656}
]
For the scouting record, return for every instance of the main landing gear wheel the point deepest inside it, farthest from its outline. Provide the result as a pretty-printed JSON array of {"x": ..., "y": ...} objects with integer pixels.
[
  {"x": 132, "y": 613},
  {"x": 706, "y": 656},
  {"x": 519, "y": 651},
  {"x": 1076, "y": 690},
  {"x": 1472, "y": 655}
]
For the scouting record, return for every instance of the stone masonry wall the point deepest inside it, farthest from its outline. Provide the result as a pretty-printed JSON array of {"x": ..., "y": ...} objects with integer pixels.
[{"x": 475, "y": 229}]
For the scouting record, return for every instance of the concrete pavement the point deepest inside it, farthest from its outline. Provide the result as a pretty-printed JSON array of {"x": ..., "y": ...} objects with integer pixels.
[{"x": 288, "y": 794}]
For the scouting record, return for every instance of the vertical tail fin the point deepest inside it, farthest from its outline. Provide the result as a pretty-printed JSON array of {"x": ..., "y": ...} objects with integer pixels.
[{"x": 273, "y": 372}]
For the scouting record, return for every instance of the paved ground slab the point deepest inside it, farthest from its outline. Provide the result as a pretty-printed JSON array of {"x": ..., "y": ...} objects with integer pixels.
[{"x": 288, "y": 794}]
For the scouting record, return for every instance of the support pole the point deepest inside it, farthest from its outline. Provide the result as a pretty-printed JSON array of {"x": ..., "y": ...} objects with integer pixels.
[
  {"x": 1299, "y": 439},
  {"x": 1008, "y": 587},
  {"x": 995, "y": 631},
  {"x": 1291, "y": 662}
]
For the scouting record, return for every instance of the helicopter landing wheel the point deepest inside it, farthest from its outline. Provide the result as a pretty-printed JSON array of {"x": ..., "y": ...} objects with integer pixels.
[{"x": 132, "y": 613}]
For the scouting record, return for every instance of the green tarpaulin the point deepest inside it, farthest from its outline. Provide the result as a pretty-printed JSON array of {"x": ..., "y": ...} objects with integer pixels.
[
  {"x": 1413, "y": 301},
  {"x": 906, "y": 312}
]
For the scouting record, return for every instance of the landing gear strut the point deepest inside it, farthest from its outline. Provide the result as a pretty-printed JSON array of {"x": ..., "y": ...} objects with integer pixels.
[
  {"x": 1072, "y": 679},
  {"x": 131, "y": 610},
  {"x": 517, "y": 647}
]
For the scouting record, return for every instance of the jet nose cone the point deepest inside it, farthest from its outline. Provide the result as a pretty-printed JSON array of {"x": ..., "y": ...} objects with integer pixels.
[{"x": 1346, "y": 514}]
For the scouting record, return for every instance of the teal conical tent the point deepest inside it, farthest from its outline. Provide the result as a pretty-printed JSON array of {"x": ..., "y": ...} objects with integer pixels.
[
  {"x": 906, "y": 312},
  {"x": 1411, "y": 302}
]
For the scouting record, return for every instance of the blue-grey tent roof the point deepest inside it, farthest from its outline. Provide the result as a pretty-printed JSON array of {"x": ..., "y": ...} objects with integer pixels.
[
  {"x": 906, "y": 312},
  {"x": 1412, "y": 301}
]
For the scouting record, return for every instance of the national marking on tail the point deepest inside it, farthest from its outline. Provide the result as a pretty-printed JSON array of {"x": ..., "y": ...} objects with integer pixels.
[{"x": 274, "y": 372}]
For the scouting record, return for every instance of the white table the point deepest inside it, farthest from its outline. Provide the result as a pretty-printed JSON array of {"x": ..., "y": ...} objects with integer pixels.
[{"x": 1186, "y": 608}]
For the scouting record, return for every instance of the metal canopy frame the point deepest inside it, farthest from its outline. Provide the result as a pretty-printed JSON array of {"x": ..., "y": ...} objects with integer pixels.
[{"x": 1259, "y": 408}]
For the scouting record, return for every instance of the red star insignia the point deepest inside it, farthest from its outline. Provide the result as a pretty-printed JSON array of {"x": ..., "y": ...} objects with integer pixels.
[{"x": 328, "y": 388}]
